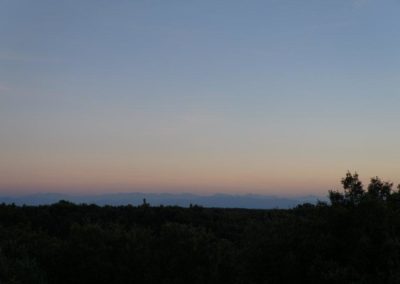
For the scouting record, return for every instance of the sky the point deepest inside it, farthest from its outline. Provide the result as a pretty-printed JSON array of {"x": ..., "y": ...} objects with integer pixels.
[{"x": 268, "y": 97}]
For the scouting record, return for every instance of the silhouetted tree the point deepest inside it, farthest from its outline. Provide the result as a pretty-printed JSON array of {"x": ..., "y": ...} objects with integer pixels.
[
  {"x": 379, "y": 189},
  {"x": 353, "y": 188},
  {"x": 336, "y": 197}
]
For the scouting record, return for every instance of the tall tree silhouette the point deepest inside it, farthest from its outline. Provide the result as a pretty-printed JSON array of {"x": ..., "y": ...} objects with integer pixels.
[{"x": 353, "y": 187}]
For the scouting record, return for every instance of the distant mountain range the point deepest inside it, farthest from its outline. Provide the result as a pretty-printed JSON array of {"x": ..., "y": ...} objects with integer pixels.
[{"x": 251, "y": 201}]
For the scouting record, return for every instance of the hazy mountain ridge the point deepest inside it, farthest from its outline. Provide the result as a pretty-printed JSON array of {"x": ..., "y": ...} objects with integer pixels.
[{"x": 251, "y": 201}]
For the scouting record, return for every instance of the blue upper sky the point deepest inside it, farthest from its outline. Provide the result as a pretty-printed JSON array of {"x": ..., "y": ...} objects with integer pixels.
[{"x": 204, "y": 96}]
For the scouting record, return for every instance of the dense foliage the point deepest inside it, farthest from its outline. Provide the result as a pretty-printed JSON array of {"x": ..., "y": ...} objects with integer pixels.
[{"x": 355, "y": 239}]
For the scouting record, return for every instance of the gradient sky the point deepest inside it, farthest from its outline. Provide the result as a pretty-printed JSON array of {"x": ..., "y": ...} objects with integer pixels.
[{"x": 273, "y": 97}]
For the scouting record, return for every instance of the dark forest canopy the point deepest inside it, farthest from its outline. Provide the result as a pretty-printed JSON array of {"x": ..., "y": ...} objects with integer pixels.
[{"x": 353, "y": 239}]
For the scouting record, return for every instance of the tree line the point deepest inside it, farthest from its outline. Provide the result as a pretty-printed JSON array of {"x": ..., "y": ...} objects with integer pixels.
[{"x": 355, "y": 238}]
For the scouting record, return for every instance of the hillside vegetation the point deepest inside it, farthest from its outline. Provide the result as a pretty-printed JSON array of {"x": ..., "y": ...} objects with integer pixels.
[{"x": 353, "y": 239}]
